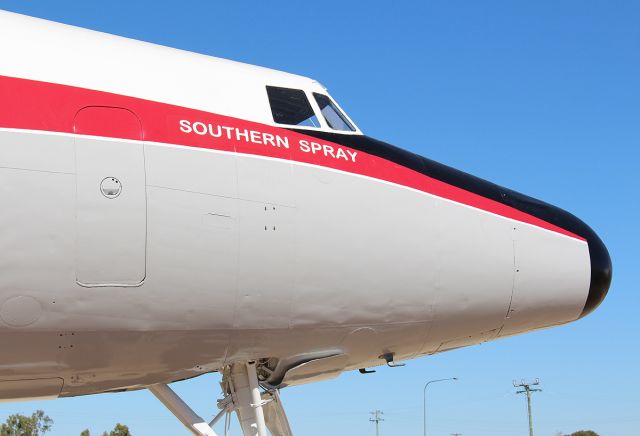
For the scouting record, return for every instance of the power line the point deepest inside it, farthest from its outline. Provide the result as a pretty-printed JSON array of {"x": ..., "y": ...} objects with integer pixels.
[
  {"x": 376, "y": 419},
  {"x": 527, "y": 390}
]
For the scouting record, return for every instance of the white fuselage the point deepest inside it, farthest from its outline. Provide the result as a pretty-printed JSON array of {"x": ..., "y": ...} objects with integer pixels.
[{"x": 231, "y": 238}]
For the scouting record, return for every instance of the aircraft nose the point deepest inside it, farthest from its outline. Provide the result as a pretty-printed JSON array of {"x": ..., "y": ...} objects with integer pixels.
[{"x": 601, "y": 271}]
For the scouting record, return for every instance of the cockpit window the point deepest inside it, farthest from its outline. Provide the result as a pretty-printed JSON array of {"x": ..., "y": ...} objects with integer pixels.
[
  {"x": 291, "y": 106},
  {"x": 334, "y": 117}
]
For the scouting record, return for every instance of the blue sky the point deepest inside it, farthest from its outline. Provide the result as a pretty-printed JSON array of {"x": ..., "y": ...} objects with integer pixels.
[{"x": 542, "y": 97}]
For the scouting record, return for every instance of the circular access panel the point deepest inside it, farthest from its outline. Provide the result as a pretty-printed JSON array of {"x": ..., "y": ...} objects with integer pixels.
[
  {"x": 20, "y": 311},
  {"x": 110, "y": 187}
]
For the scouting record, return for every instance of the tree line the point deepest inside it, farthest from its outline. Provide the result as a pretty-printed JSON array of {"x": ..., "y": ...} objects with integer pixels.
[{"x": 38, "y": 424}]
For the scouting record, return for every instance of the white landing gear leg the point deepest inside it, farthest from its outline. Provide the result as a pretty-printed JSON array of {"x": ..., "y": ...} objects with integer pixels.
[
  {"x": 242, "y": 384},
  {"x": 179, "y": 408},
  {"x": 256, "y": 411}
]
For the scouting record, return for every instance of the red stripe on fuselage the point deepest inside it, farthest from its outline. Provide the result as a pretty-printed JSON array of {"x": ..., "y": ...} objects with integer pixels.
[{"x": 35, "y": 105}]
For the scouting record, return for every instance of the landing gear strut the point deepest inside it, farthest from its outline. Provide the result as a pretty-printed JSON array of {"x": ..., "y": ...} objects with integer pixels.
[
  {"x": 256, "y": 411},
  {"x": 181, "y": 410}
]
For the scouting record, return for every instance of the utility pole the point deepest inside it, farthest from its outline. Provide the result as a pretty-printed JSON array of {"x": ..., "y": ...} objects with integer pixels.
[
  {"x": 376, "y": 419},
  {"x": 527, "y": 390}
]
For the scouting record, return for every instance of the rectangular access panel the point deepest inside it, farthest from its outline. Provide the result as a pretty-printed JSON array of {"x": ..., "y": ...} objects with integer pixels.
[{"x": 111, "y": 221}]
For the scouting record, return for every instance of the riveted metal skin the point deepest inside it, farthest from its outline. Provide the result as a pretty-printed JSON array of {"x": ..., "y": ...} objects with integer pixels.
[{"x": 233, "y": 239}]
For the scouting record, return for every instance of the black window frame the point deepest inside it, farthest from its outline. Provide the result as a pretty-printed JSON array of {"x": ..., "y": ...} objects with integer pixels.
[
  {"x": 343, "y": 117},
  {"x": 283, "y": 107}
]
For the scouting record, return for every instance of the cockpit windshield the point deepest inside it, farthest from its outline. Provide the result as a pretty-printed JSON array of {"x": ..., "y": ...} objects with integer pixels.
[
  {"x": 291, "y": 106},
  {"x": 332, "y": 115}
]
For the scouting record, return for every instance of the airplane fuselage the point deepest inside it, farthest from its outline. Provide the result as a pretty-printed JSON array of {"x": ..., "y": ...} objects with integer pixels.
[{"x": 154, "y": 228}]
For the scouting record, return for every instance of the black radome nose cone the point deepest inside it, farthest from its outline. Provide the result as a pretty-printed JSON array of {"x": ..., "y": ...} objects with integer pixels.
[
  {"x": 601, "y": 271},
  {"x": 598, "y": 254}
]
